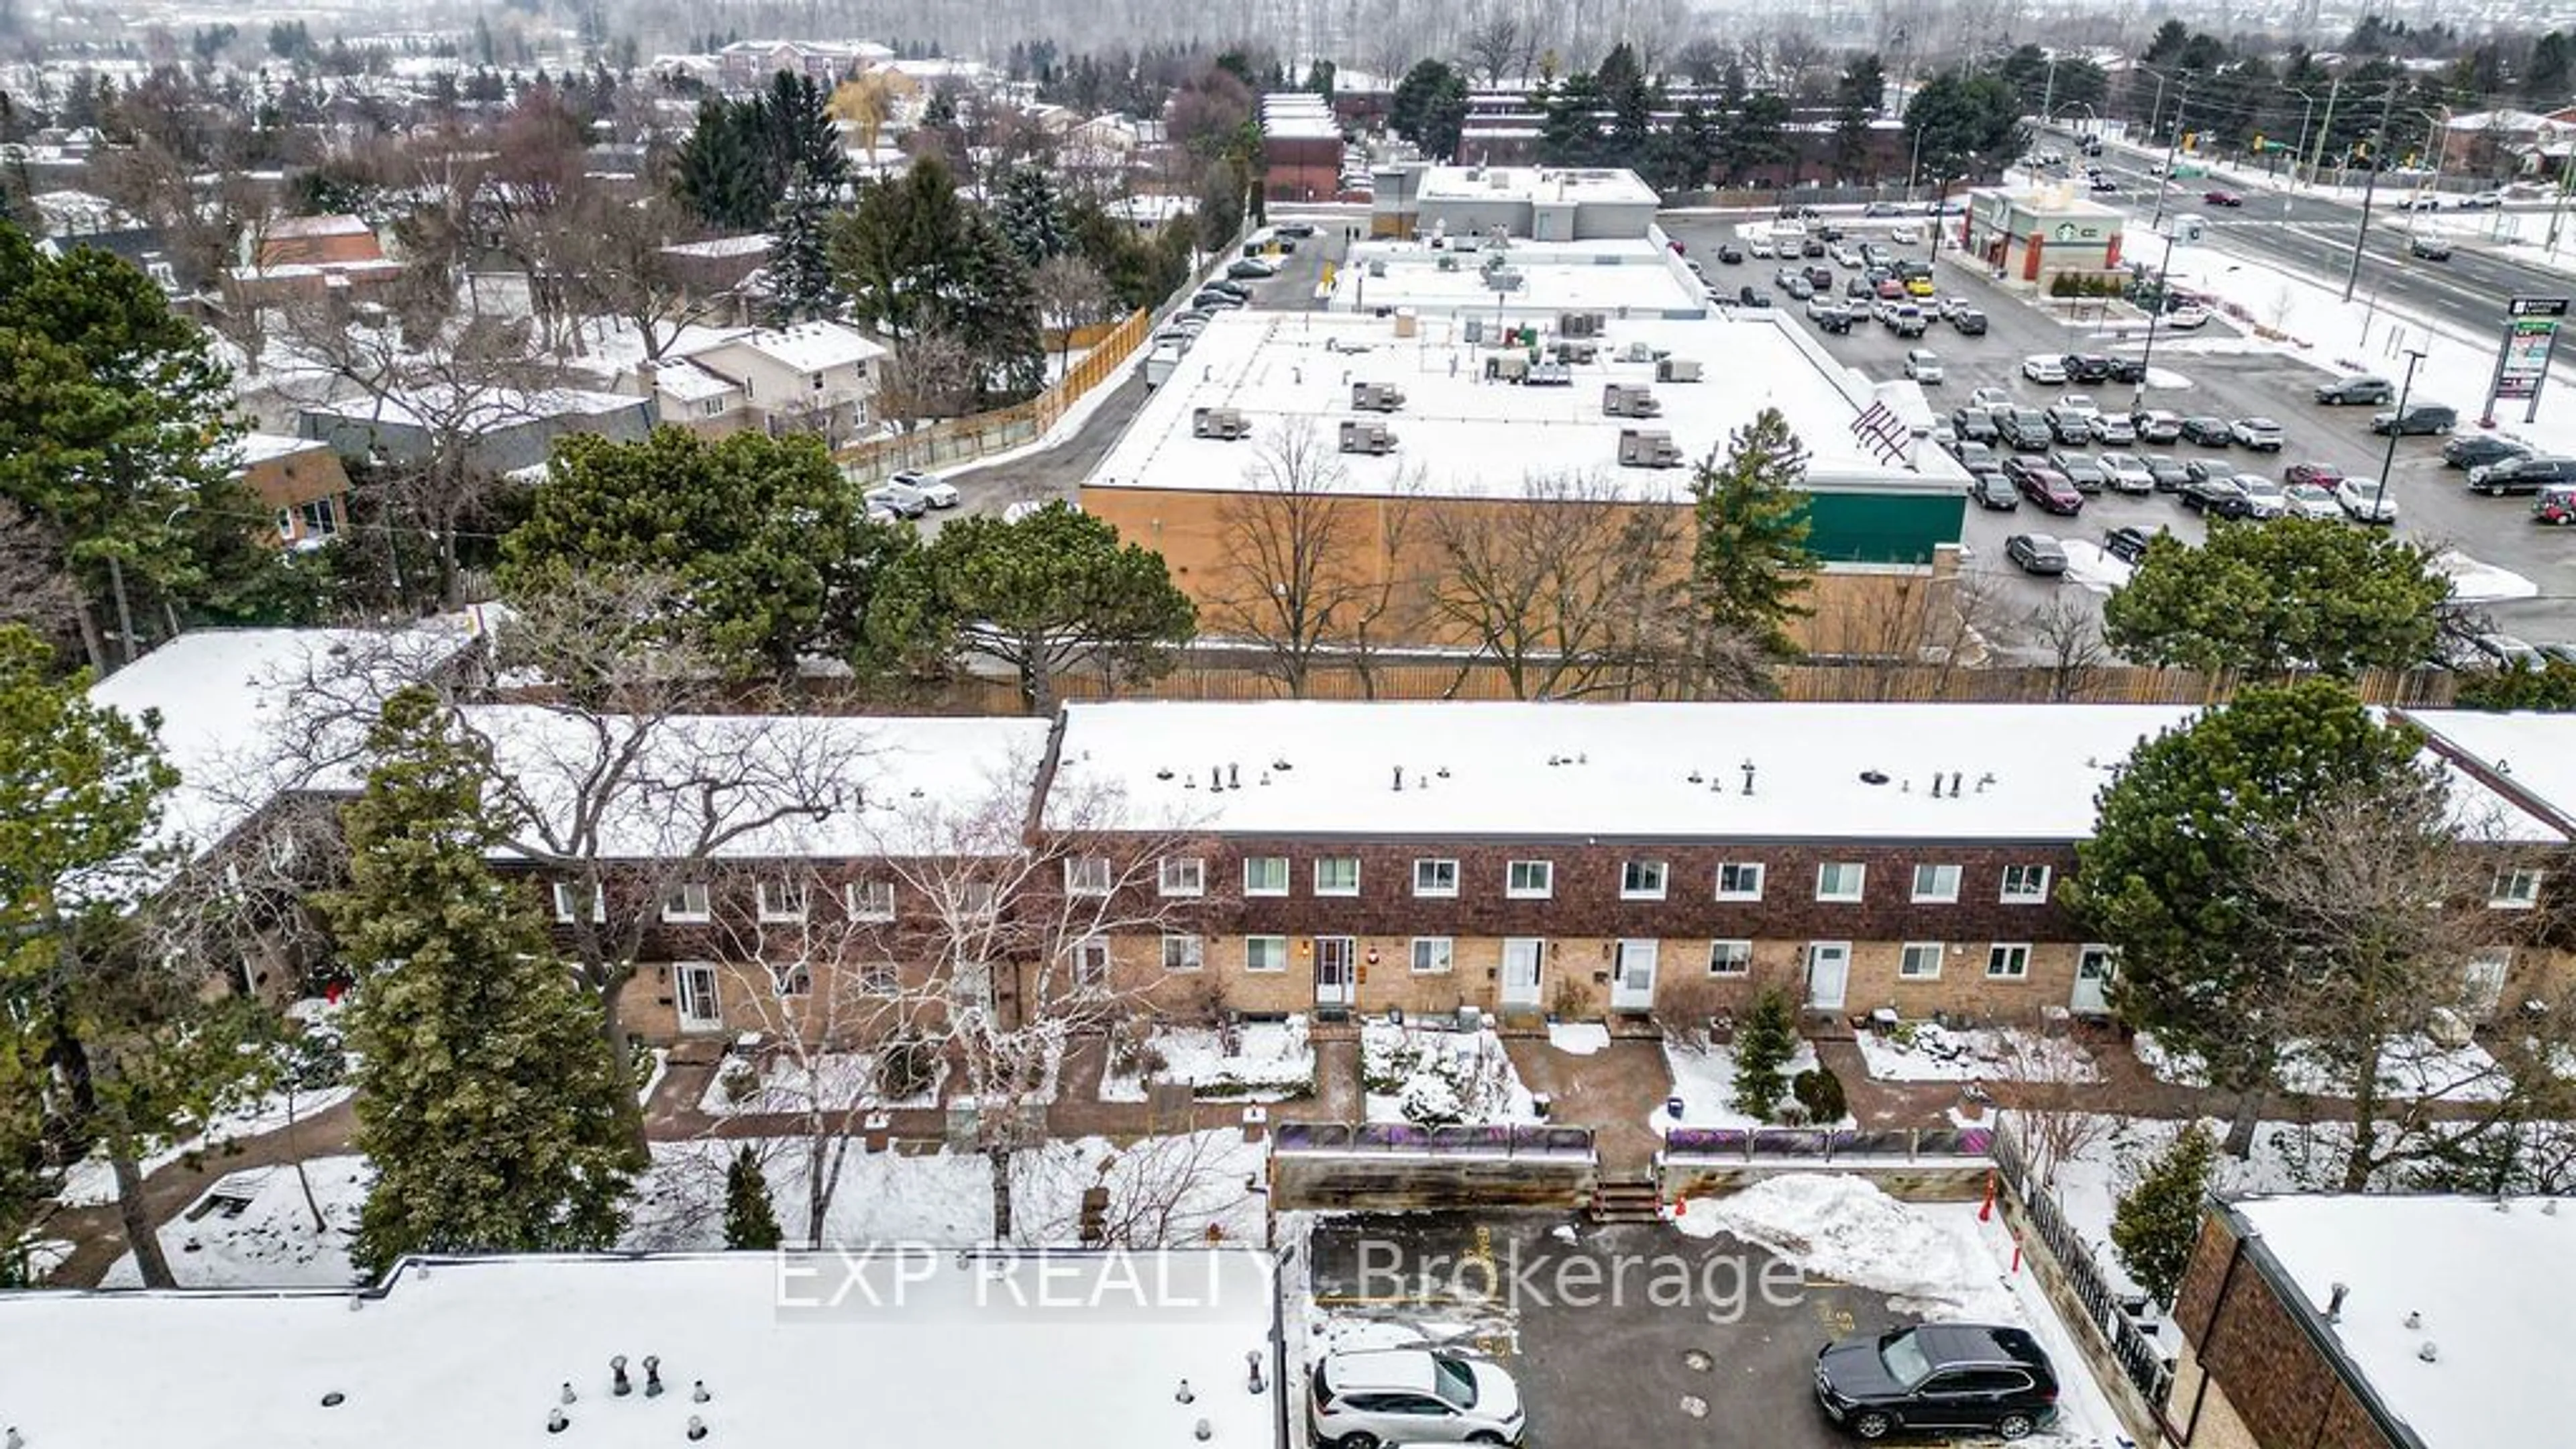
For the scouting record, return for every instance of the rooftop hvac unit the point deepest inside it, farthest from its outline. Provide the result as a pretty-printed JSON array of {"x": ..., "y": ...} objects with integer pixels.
[
  {"x": 1676, "y": 369},
  {"x": 1645, "y": 448},
  {"x": 1223, "y": 423},
  {"x": 1628, "y": 400},
  {"x": 1369, "y": 437},
  {"x": 1578, "y": 324}
]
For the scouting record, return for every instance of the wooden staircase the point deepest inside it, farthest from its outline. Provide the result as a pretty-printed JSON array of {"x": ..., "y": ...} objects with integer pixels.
[{"x": 1627, "y": 1200}]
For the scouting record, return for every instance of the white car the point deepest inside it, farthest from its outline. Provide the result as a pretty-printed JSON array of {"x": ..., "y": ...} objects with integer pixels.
[
  {"x": 1905, "y": 236},
  {"x": 1844, "y": 256},
  {"x": 2080, "y": 402},
  {"x": 1924, "y": 366},
  {"x": 1364, "y": 1399},
  {"x": 935, "y": 491},
  {"x": 1760, "y": 246},
  {"x": 2364, "y": 501},
  {"x": 2129, "y": 473},
  {"x": 2186, "y": 319},
  {"x": 2041, "y": 368},
  {"x": 1990, "y": 398},
  {"x": 2263, "y": 497},
  {"x": 2307, "y": 500}
]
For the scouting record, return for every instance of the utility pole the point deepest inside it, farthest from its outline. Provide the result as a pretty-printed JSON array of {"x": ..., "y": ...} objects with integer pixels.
[
  {"x": 2164, "y": 288},
  {"x": 2369, "y": 188},
  {"x": 2413, "y": 356},
  {"x": 2334, "y": 88},
  {"x": 2048, "y": 92},
  {"x": 2173, "y": 150}
]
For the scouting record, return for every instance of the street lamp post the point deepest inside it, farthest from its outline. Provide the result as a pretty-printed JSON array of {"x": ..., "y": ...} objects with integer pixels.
[
  {"x": 2173, "y": 152},
  {"x": 2378, "y": 490},
  {"x": 2164, "y": 284},
  {"x": 2436, "y": 138}
]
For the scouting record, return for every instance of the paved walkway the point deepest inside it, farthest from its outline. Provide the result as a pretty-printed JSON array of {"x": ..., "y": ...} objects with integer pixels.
[
  {"x": 97, "y": 1235},
  {"x": 1615, "y": 1091}
]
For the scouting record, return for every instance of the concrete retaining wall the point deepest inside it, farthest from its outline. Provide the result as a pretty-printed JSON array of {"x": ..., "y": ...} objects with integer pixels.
[
  {"x": 1405, "y": 1182},
  {"x": 1955, "y": 1180}
]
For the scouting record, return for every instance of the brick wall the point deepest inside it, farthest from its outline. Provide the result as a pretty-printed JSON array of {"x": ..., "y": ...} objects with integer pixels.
[{"x": 2250, "y": 1345}]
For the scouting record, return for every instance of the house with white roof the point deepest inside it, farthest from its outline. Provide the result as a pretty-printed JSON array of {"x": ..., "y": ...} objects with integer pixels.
[
  {"x": 814, "y": 377},
  {"x": 2426, "y": 1321}
]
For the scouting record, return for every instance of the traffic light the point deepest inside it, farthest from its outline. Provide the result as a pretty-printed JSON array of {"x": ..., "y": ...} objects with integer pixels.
[{"x": 2260, "y": 145}]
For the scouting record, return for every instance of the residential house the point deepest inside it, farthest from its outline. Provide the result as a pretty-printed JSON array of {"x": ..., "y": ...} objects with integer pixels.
[
  {"x": 1301, "y": 148},
  {"x": 310, "y": 258},
  {"x": 813, "y": 377},
  {"x": 298, "y": 480},
  {"x": 144, "y": 249},
  {"x": 506, "y": 430},
  {"x": 2500, "y": 144}
]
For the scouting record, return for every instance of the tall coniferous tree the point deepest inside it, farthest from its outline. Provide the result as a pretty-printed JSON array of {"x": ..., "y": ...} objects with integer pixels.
[
  {"x": 1750, "y": 564},
  {"x": 486, "y": 1098}
]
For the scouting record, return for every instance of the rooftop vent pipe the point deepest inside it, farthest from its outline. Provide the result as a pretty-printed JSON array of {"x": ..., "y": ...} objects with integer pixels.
[{"x": 2334, "y": 1302}]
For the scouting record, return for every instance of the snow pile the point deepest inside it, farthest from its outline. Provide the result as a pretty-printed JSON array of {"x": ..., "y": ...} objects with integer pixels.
[
  {"x": 2089, "y": 567},
  {"x": 1436, "y": 1078},
  {"x": 1704, "y": 1079},
  {"x": 2166, "y": 1064},
  {"x": 1578, "y": 1038},
  {"x": 2475, "y": 582},
  {"x": 1929, "y": 1052},
  {"x": 1845, "y": 1228},
  {"x": 1258, "y": 1061}
]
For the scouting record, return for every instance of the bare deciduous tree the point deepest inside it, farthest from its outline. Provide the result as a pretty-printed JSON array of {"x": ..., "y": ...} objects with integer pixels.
[
  {"x": 1311, "y": 572},
  {"x": 929, "y": 375},
  {"x": 1493, "y": 42},
  {"x": 1071, "y": 295},
  {"x": 2069, "y": 634}
]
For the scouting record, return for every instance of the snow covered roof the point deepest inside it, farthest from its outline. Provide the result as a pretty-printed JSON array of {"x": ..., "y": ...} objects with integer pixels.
[
  {"x": 2492, "y": 1283},
  {"x": 755, "y": 244},
  {"x": 1298, "y": 115},
  {"x": 476, "y": 1353},
  {"x": 902, "y": 785},
  {"x": 253, "y": 449},
  {"x": 2530, "y": 755},
  {"x": 228, "y": 704},
  {"x": 813, "y": 346},
  {"x": 1461, "y": 436},
  {"x": 490, "y": 411},
  {"x": 312, "y": 226},
  {"x": 1534, "y": 184},
  {"x": 685, "y": 381}
]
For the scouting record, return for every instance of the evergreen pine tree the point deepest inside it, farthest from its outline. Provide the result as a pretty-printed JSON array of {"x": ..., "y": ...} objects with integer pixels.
[
  {"x": 486, "y": 1099},
  {"x": 1762, "y": 1048},
  {"x": 1031, "y": 215},
  {"x": 1750, "y": 564},
  {"x": 2154, "y": 1227},
  {"x": 801, "y": 287},
  {"x": 751, "y": 1224},
  {"x": 717, "y": 173}
]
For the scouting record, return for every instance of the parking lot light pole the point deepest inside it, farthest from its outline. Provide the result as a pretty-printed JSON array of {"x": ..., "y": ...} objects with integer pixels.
[
  {"x": 2396, "y": 420},
  {"x": 2164, "y": 288}
]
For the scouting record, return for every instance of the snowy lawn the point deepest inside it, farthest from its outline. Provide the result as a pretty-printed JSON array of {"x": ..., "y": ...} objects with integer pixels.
[
  {"x": 1922, "y": 1051},
  {"x": 1704, "y": 1078},
  {"x": 828, "y": 1081},
  {"x": 1258, "y": 1061},
  {"x": 2415, "y": 1067},
  {"x": 1434, "y": 1077},
  {"x": 254, "y": 1230},
  {"x": 90, "y": 1183},
  {"x": 1932, "y": 1260},
  {"x": 1578, "y": 1038}
]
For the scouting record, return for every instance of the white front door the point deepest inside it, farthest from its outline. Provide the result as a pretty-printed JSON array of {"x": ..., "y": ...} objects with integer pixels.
[
  {"x": 2094, "y": 968},
  {"x": 1336, "y": 974},
  {"x": 1632, "y": 985},
  {"x": 1828, "y": 972},
  {"x": 1521, "y": 958},
  {"x": 699, "y": 1008},
  {"x": 2486, "y": 972}
]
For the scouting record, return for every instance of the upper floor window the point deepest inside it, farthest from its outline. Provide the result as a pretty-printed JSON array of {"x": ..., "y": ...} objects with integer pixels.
[
  {"x": 1087, "y": 875},
  {"x": 1530, "y": 880},
  {"x": 1739, "y": 880},
  {"x": 2025, "y": 885},
  {"x": 1840, "y": 880},
  {"x": 1337, "y": 875},
  {"x": 1265, "y": 875},
  {"x": 782, "y": 900},
  {"x": 1435, "y": 877},
  {"x": 685, "y": 901},
  {"x": 2514, "y": 889},
  {"x": 1184, "y": 875},
  {"x": 1641, "y": 880},
  {"x": 1936, "y": 883},
  {"x": 565, "y": 894},
  {"x": 870, "y": 900}
]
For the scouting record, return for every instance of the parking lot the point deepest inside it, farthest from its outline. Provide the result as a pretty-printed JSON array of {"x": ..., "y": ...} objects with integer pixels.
[
  {"x": 1631, "y": 1373},
  {"x": 2224, "y": 377}
]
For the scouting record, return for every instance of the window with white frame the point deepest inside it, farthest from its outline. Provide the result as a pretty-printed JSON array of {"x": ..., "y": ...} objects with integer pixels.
[
  {"x": 685, "y": 901},
  {"x": 976, "y": 899},
  {"x": 2486, "y": 973},
  {"x": 1739, "y": 880},
  {"x": 870, "y": 900},
  {"x": 1091, "y": 961},
  {"x": 321, "y": 518},
  {"x": 1265, "y": 953},
  {"x": 566, "y": 893},
  {"x": 1641, "y": 880},
  {"x": 790, "y": 978},
  {"x": 2025, "y": 885},
  {"x": 782, "y": 900},
  {"x": 711, "y": 408},
  {"x": 1530, "y": 880},
  {"x": 1841, "y": 880},
  {"x": 1184, "y": 953},
  {"x": 2010, "y": 963},
  {"x": 1087, "y": 875},
  {"x": 1920, "y": 961},
  {"x": 1337, "y": 875},
  {"x": 1265, "y": 875},
  {"x": 879, "y": 978},
  {"x": 1936, "y": 884},
  {"x": 1184, "y": 875},
  {"x": 286, "y": 525},
  {"x": 1432, "y": 954},
  {"x": 2515, "y": 888},
  {"x": 1730, "y": 958},
  {"x": 1435, "y": 877}
]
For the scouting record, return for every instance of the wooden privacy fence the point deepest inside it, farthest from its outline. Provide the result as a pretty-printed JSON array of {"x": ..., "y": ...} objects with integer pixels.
[{"x": 952, "y": 441}]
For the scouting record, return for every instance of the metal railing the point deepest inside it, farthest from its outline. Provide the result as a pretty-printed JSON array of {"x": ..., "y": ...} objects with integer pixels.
[
  {"x": 1817, "y": 1144},
  {"x": 1493, "y": 1141},
  {"x": 2137, "y": 1353}
]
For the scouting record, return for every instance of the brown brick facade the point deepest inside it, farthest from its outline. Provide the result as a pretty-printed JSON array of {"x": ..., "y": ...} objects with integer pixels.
[{"x": 2253, "y": 1372}]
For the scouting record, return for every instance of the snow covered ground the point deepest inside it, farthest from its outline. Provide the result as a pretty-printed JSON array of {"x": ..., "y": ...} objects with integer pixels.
[
  {"x": 1704, "y": 1078},
  {"x": 1578, "y": 1038},
  {"x": 2088, "y": 566},
  {"x": 830, "y": 1081},
  {"x": 1271, "y": 1061},
  {"x": 90, "y": 1183},
  {"x": 1928, "y": 1052},
  {"x": 270, "y": 1241},
  {"x": 1437, "y": 1077},
  {"x": 2414, "y": 1067}
]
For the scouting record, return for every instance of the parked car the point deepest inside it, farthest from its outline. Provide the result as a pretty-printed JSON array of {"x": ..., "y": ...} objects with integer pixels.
[
  {"x": 2263, "y": 497},
  {"x": 2208, "y": 432},
  {"x": 2114, "y": 429},
  {"x": 1976, "y": 457},
  {"x": 2321, "y": 474},
  {"x": 2260, "y": 434},
  {"x": 2361, "y": 387},
  {"x": 2128, "y": 473},
  {"x": 2155, "y": 425},
  {"x": 2129, "y": 543},
  {"x": 2024, "y": 430},
  {"x": 2419, "y": 420},
  {"x": 2036, "y": 553},
  {"x": 1219, "y": 301},
  {"x": 1230, "y": 288},
  {"x": 1250, "y": 269},
  {"x": 1366, "y": 1398},
  {"x": 2477, "y": 450},
  {"x": 1995, "y": 491},
  {"x": 2364, "y": 500},
  {"x": 1860, "y": 289},
  {"x": 1990, "y": 397},
  {"x": 2216, "y": 495},
  {"x": 1730, "y": 255},
  {"x": 1845, "y": 257},
  {"x": 2087, "y": 475},
  {"x": 1820, "y": 278},
  {"x": 2104, "y": 184},
  {"x": 2049, "y": 489},
  {"x": 936, "y": 491},
  {"x": 1924, "y": 366},
  {"x": 2187, "y": 318},
  {"x": 2086, "y": 367},
  {"x": 1976, "y": 425},
  {"x": 1819, "y": 303},
  {"x": 1761, "y": 247},
  {"x": 1938, "y": 1376},
  {"x": 1907, "y": 320},
  {"x": 2128, "y": 369},
  {"x": 2168, "y": 471},
  {"x": 1813, "y": 246},
  {"x": 1300, "y": 230},
  {"x": 2045, "y": 370},
  {"x": 2523, "y": 475},
  {"x": 1837, "y": 320},
  {"x": 2504, "y": 651},
  {"x": 2199, "y": 468},
  {"x": 2430, "y": 248},
  {"x": 2556, "y": 505},
  {"x": 1969, "y": 321},
  {"x": 2313, "y": 500},
  {"x": 2070, "y": 424},
  {"x": 1799, "y": 289},
  {"x": 900, "y": 499},
  {"x": 1750, "y": 297}
]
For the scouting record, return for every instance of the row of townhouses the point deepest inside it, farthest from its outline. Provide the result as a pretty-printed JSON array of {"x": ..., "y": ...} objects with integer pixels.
[{"x": 1578, "y": 860}]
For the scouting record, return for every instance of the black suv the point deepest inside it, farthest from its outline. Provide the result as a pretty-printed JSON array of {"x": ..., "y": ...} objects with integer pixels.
[
  {"x": 1938, "y": 1376},
  {"x": 2360, "y": 389},
  {"x": 2523, "y": 475},
  {"x": 2419, "y": 420},
  {"x": 2082, "y": 367},
  {"x": 2025, "y": 430},
  {"x": 2476, "y": 450}
]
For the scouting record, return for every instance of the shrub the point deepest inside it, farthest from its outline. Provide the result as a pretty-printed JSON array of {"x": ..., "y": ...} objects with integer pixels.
[
  {"x": 2156, "y": 1224},
  {"x": 750, "y": 1222},
  {"x": 907, "y": 1064},
  {"x": 1769, "y": 1038},
  {"x": 741, "y": 1082},
  {"x": 1821, "y": 1093}
]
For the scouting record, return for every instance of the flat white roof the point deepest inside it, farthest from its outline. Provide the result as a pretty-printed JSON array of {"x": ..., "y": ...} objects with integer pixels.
[
  {"x": 475, "y": 1352},
  {"x": 1631, "y": 273},
  {"x": 1298, "y": 115},
  {"x": 2536, "y": 752},
  {"x": 253, "y": 449},
  {"x": 1460, "y": 436},
  {"x": 2492, "y": 1285},
  {"x": 1535, "y": 184}
]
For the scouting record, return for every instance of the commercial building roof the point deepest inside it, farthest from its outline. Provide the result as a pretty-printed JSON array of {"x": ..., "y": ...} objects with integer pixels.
[
  {"x": 956, "y": 1352},
  {"x": 1536, "y": 184},
  {"x": 1298, "y": 115},
  {"x": 2455, "y": 1308}
]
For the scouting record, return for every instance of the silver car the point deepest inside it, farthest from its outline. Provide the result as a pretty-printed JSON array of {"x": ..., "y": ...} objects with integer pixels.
[
  {"x": 1375, "y": 1397},
  {"x": 900, "y": 499}
]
